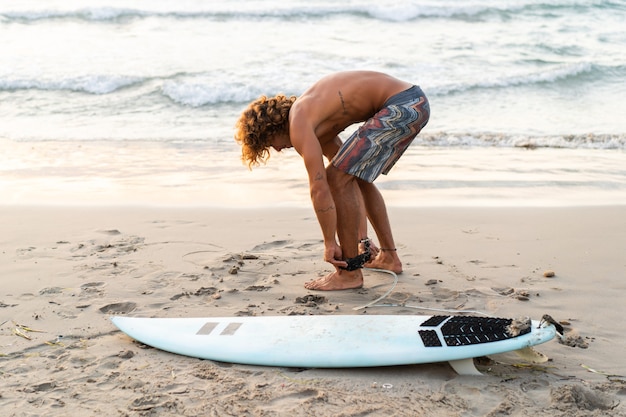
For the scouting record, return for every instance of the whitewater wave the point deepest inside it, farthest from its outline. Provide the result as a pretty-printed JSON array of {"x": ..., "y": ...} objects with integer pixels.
[
  {"x": 382, "y": 10},
  {"x": 201, "y": 89},
  {"x": 581, "y": 141},
  {"x": 93, "y": 84},
  {"x": 562, "y": 73},
  {"x": 458, "y": 140},
  {"x": 197, "y": 94}
]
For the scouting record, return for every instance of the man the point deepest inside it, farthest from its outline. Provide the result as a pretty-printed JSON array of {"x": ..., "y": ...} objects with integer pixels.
[{"x": 342, "y": 193}]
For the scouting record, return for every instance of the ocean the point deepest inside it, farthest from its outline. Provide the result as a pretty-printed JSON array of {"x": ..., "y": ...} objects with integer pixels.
[{"x": 135, "y": 101}]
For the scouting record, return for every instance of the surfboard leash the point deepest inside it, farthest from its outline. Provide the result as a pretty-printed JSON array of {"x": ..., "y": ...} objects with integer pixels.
[
  {"x": 358, "y": 261},
  {"x": 382, "y": 297}
]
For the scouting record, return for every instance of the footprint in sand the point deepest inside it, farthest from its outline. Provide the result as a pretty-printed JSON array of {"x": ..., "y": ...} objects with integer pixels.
[
  {"x": 280, "y": 402},
  {"x": 25, "y": 252},
  {"x": 92, "y": 289},
  {"x": 288, "y": 245},
  {"x": 43, "y": 387},
  {"x": 148, "y": 402},
  {"x": 444, "y": 293},
  {"x": 258, "y": 288},
  {"x": 271, "y": 245},
  {"x": 50, "y": 291},
  {"x": 583, "y": 398},
  {"x": 106, "y": 249},
  {"x": 311, "y": 300},
  {"x": 203, "y": 291},
  {"x": 119, "y": 308},
  {"x": 111, "y": 232}
]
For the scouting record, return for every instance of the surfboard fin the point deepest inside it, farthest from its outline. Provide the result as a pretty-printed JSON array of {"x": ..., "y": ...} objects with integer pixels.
[{"x": 465, "y": 367}]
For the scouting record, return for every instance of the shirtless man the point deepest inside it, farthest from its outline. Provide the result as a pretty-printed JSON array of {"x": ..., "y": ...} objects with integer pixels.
[{"x": 394, "y": 112}]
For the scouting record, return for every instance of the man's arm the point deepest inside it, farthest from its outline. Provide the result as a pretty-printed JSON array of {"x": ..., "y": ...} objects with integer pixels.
[
  {"x": 308, "y": 146},
  {"x": 321, "y": 196}
]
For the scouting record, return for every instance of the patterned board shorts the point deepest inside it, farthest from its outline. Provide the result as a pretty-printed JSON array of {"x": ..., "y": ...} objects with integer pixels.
[{"x": 378, "y": 144}]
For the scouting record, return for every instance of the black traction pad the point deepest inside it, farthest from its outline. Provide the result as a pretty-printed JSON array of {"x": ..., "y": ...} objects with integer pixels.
[
  {"x": 434, "y": 321},
  {"x": 467, "y": 330},
  {"x": 430, "y": 338}
]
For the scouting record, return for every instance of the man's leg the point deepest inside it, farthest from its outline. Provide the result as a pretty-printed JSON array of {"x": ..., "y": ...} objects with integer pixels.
[
  {"x": 363, "y": 230},
  {"x": 345, "y": 191},
  {"x": 387, "y": 258}
]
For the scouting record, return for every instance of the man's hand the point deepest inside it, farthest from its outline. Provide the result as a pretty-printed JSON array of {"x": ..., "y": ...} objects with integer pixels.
[
  {"x": 332, "y": 254},
  {"x": 372, "y": 248}
]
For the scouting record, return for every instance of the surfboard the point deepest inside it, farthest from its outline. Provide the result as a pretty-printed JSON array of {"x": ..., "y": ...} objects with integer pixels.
[{"x": 339, "y": 341}]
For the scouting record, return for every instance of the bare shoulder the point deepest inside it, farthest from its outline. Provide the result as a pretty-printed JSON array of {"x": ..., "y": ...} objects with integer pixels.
[
  {"x": 304, "y": 111},
  {"x": 304, "y": 116}
]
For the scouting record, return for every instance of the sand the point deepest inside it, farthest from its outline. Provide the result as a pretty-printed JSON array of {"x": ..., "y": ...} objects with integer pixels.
[{"x": 66, "y": 270}]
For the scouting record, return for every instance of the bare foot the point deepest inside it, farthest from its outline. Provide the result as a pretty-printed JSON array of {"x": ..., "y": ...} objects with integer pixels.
[
  {"x": 338, "y": 280},
  {"x": 386, "y": 261}
]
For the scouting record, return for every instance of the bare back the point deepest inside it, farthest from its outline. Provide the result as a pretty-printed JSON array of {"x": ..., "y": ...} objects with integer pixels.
[{"x": 339, "y": 100}]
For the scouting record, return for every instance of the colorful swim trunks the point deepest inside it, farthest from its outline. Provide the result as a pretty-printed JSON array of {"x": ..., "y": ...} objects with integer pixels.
[{"x": 378, "y": 144}]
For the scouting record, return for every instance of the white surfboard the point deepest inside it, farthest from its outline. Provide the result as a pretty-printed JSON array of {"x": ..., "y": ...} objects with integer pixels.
[{"x": 338, "y": 341}]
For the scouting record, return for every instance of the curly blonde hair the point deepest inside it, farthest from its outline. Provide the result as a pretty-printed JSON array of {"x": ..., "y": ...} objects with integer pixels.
[{"x": 259, "y": 123}]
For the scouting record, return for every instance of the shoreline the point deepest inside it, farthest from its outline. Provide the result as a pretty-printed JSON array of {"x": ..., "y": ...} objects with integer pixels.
[
  {"x": 67, "y": 269},
  {"x": 198, "y": 174}
]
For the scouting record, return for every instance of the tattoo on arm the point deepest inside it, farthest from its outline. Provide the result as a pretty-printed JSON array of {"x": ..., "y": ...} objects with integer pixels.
[
  {"x": 319, "y": 176},
  {"x": 343, "y": 103}
]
